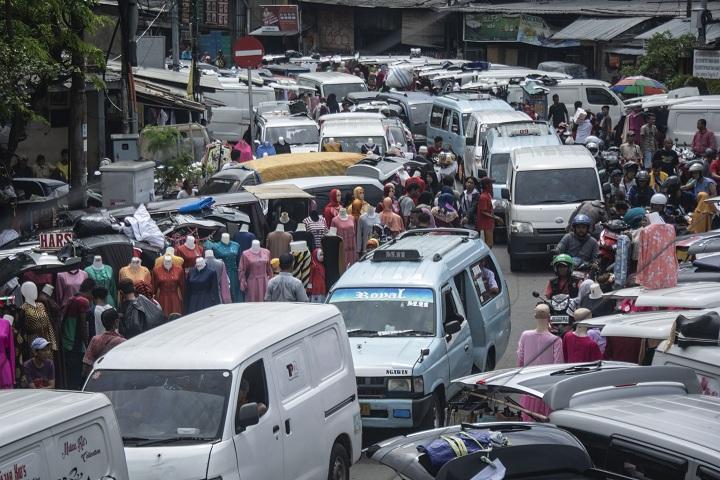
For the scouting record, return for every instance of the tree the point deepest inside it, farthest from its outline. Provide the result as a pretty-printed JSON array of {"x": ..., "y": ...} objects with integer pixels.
[{"x": 662, "y": 58}]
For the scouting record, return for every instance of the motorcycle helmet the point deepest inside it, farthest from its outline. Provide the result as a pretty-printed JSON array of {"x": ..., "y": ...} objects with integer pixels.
[
  {"x": 658, "y": 199},
  {"x": 616, "y": 173},
  {"x": 593, "y": 148},
  {"x": 616, "y": 225},
  {"x": 581, "y": 219},
  {"x": 671, "y": 184},
  {"x": 696, "y": 167},
  {"x": 630, "y": 165},
  {"x": 642, "y": 176},
  {"x": 562, "y": 259}
]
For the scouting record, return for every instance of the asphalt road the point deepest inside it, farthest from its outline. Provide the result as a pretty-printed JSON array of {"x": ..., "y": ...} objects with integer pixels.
[{"x": 520, "y": 285}]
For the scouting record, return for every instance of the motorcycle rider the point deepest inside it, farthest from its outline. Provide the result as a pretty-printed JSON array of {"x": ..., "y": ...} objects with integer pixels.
[
  {"x": 630, "y": 170},
  {"x": 640, "y": 193},
  {"x": 579, "y": 244},
  {"x": 658, "y": 203},
  {"x": 563, "y": 281},
  {"x": 679, "y": 202},
  {"x": 698, "y": 183},
  {"x": 615, "y": 184}
]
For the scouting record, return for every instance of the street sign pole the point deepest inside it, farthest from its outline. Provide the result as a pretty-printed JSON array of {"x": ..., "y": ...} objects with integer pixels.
[
  {"x": 248, "y": 53},
  {"x": 250, "y": 108}
]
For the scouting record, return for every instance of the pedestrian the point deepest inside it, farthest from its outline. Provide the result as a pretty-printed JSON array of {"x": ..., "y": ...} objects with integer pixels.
[
  {"x": 332, "y": 103},
  {"x": 436, "y": 148},
  {"x": 668, "y": 158},
  {"x": 104, "y": 342},
  {"x": 100, "y": 300},
  {"x": 577, "y": 346},
  {"x": 407, "y": 201},
  {"x": 635, "y": 121},
  {"x": 657, "y": 176},
  {"x": 62, "y": 169},
  {"x": 186, "y": 190},
  {"x": 220, "y": 61},
  {"x": 468, "y": 203},
  {"x": 584, "y": 126},
  {"x": 74, "y": 333},
  {"x": 243, "y": 146},
  {"x": 715, "y": 169},
  {"x": 703, "y": 139},
  {"x": 557, "y": 113},
  {"x": 605, "y": 127},
  {"x": 186, "y": 54},
  {"x": 538, "y": 347},
  {"x": 284, "y": 287},
  {"x": 39, "y": 371},
  {"x": 137, "y": 313},
  {"x": 484, "y": 216},
  {"x": 42, "y": 169},
  {"x": 630, "y": 151},
  {"x": 21, "y": 169},
  {"x": 648, "y": 134}
]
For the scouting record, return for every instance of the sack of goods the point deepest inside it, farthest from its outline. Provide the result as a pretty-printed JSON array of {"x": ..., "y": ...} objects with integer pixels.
[{"x": 399, "y": 77}]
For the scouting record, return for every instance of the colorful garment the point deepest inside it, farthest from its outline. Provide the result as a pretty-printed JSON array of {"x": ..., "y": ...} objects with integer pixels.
[
  {"x": 175, "y": 260},
  {"x": 332, "y": 208},
  {"x": 68, "y": 284},
  {"x": 346, "y": 231},
  {"x": 229, "y": 255},
  {"x": 189, "y": 256},
  {"x": 536, "y": 348},
  {"x": 622, "y": 260},
  {"x": 137, "y": 275},
  {"x": 254, "y": 273},
  {"x": 7, "y": 355},
  {"x": 657, "y": 265},
  {"x": 278, "y": 243},
  {"x": 169, "y": 288},
  {"x": 578, "y": 349},
  {"x": 37, "y": 324},
  {"x": 202, "y": 289},
  {"x": 318, "y": 228},
  {"x": 301, "y": 268},
  {"x": 244, "y": 239},
  {"x": 316, "y": 286},
  {"x": 104, "y": 278},
  {"x": 223, "y": 280}
]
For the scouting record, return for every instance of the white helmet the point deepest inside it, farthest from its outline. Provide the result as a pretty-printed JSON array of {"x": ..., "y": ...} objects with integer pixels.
[
  {"x": 695, "y": 167},
  {"x": 658, "y": 199},
  {"x": 592, "y": 147}
]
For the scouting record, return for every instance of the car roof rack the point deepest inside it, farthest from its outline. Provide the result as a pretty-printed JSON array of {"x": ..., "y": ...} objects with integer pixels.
[{"x": 558, "y": 397}]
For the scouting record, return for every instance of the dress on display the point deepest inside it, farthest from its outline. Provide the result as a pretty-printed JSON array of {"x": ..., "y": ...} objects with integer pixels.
[
  {"x": 255, "y": 271},
  {"x": 104, "y": 278},
  {"x": 175, "y": 260},
  {"x": 278, "y": 243},
  {"x": 334, "y": 259},
  {"x": 244, "y": 239},
  {"x": 229, "y": 255},
  {"x": 189, "y": 256},
  {"x": 7, "y": 355},
  {"x": 317, "y": 228},
  {"x": 317, "y": 288},
  {"x": 535, "y": 348},
  {"x": 68, "y": 284},
  {"x": 223, "y": 280},
  {"x": 169, "y": 288},
  {"x": 301, "y": 268},
  {"x": 37, "y": 324},
  {"x": 304, "y": 236},
  {"x": 137, "y": 275},
  {"x": 346, "y": 231},
  {"x": 202, "y": 289}
]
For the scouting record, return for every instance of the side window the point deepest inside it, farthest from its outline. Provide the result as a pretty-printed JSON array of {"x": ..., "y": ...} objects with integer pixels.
[
  {"x": 484, "y": 274},
  {"x": 455, "y": 127},
  {"x": 707, "y": 473},
  {"x": 641, "y": 461},
  {"x": 598, "y": 96},
  {"x": 436, "y": 115},
  {"x": 291, "y": 370},
  {"x": 447, "y": 115},
  {"x": 471, "y": 129},
  {"x": 253, "y": 387},
  {"x": 326, "y": 349},
  {"x": 451, "y": 311},
  {"x": 459, "y": 280}
]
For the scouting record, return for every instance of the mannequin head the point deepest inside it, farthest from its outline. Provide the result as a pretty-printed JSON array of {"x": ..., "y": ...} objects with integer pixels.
[
  {"x": 300, "y": 228},
  {"x": 320, "y": 255},
  {"x": 280, "y": 227},
  {"x": 332, "y": 231},
  {"x": 580, "y": 315},
  {"x": 200, "y": 263},
  {"x": 209, "y": 253},
  {"x": 169, "y": 251},
  {"x": 359, "y": 193},
  {"x": 542, "y": 317},
  {"x": 281, "y": 140},
  {"x": 244, "y": 227},
  {"x": 343, "y": 214},
  {"x": 255, "y": 246},
  {"x": 97, "y": 262},
  {"x": 370, "y": 141},
  {"x": 335, "y": 196},
  {"x": 135, "y": 263},
  {"x": 190, "y": 242},
  {"x": 167, "y": 262},
  {"x": 225, "y": 238},
  {"x": 29, "y": 292},
  {"x": 332, "y": 140},
  {"x": 387, "y": 204}
]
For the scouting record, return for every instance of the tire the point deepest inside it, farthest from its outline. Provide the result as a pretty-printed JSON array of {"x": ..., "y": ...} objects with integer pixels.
[
  {"x": 435, "y": 417},
  {"x": 339, "y": 468},
  {"x": 515, "y": 265},
  {"x": 490, "y": 361}
]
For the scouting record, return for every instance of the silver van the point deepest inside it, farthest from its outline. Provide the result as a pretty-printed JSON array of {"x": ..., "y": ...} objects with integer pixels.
[{"x": 326, "y": 83}]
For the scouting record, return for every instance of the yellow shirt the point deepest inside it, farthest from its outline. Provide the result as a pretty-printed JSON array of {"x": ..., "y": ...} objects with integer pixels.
[
  {"x": 64, "y": 169},
  {"x": 662, "y": 176}
]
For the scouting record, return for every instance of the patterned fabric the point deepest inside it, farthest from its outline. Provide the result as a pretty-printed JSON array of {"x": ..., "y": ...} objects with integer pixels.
[
  {"x": 622, "y": 259},
  {"x": 657, "y": 265},
  {"x": 37, "y": 324},
  {"x": 301, "y": 270},
  {"x": 346, "y": 231},
  {"x": 317, "y": 228},
  {"x": 169, "y": 287}
]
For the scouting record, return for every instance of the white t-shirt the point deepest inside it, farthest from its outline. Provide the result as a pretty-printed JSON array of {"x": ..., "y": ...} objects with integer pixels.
[
  {"x": 97, "y": 313},
  {"x": 584, "y": 129}
]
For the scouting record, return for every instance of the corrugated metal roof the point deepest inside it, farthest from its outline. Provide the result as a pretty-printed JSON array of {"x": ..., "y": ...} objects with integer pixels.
[
  {"x": 381, "y": 3},
  {"x": 678, "y": 27},
  {"x": 597, "y": 29},
  {"x": 626, "y": 51}
]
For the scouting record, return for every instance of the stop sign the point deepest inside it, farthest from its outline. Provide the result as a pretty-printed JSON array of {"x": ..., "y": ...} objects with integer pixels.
[{"x": 248, "y": 52}]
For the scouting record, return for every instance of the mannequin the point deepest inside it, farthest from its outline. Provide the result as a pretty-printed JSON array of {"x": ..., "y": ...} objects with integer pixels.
[
  {"x": 391, "y": 219},
  {"x": 202, "y": 287},
  {"x": 222, "y": 275},
  {"x": 228, "y": 251},
  {"x": 370, "y": 148},
  {"x": 359, "y": 194},
  {"x": 577, "y": 345},
  {"x": 135, "y": 272},
  {"x": 169, "y": 285},
  {"x": 345, "y": 226},
  {"x": 302, "y": 235},
  {"x": 333, "y": 206},
  {"x": 316, "y": 226},
  {"x": 103, "y": 276},
  {"x": 332, "y": 146},
  {"x": 52, "y": 308},
  {"x": 301, "y": 269},
  {"x": 281, "y": 146},
  {"x": 255, "y": 272},
  {"x": 175, "y": 259},
  {"x": 332, "y": 231},
  {"x": 278, "y": 242},
  {"x": 333, "y": 257},
  {"x": 365, "y": 228},
  {"x": 244, "y": 238},
  {"x": 37, "y": 322},
  {"x": 68, "y": 284},
  {"x": 7, "y": 355},
  {"x": 316, "y": 288},
  {"x": 189, "y": 251}
]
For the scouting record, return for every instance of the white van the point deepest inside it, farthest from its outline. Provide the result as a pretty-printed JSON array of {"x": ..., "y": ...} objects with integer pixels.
[
  {"x": 229, "y": 122},
  {"x": 546, "y": 184},
  {"x": 353, "y": 130},
  {"x": 683, "y": 117},
  {"x": 341, "y": 84},
  {"x": 238, "y": 391},
  {"x": 48, "y": 434}
]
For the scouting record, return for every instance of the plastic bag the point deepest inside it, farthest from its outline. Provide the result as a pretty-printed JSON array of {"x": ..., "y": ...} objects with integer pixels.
[
  {"x": 143, "y": 228},
  {"x": 399, "y": 77},
  {"x": 447, "y": 447},
  {"x": 140, "y": 316},
  {"x": 95, "y": 224}
]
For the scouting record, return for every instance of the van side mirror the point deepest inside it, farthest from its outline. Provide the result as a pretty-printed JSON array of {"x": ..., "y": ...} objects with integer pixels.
[
  {"x": 505, "y": 194},
  {"x": 247, "y": 416},
  {"x": 470, "y": 141},
  {"x": 453, "y": 327}
]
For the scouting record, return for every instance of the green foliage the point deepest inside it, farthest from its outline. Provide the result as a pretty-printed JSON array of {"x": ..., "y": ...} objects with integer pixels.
[
  {"x": 159, "y": 139},
  {"x": 662, "y": 58}
]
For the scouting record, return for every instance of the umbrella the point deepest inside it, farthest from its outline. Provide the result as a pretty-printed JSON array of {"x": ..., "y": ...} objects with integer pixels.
[{"x": 639, "y": 86}]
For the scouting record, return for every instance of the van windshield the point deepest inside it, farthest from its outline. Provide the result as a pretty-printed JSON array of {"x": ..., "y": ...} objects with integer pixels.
[
  {"x": 341, "y": 90},
  {"x": 161, "y": 406},
  {"x": 567, "y": 185},
  {"x": 294, "y": 135},
  {"x": 217, "y": 185},
  {"x": 499, "y": 167},
  {"x": 354, "y": 144},
  {"x": 386, "y": 311}
]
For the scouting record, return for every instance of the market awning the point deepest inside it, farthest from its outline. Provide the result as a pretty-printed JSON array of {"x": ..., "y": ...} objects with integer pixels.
[
  {"x": 598, "y": 29},
  {"x": 636, "y": 52},
  {"x": 158, "y": 96},
  {"x": 677, "y": 27}
]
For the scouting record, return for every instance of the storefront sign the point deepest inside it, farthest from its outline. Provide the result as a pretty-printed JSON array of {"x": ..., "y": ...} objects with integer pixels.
[
  {"x": 706, "y": 64},
  {"x": 529, "y": 29},
  {"x": 280, "y": 18},
  {"x": 52, "y": 241}
]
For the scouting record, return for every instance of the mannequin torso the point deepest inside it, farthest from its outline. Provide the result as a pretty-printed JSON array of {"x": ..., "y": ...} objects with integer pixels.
[{"x": 254, "y": 272}]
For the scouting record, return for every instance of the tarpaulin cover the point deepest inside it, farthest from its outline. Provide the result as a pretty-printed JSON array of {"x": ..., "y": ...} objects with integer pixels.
[{"x": 400, "y": 77}]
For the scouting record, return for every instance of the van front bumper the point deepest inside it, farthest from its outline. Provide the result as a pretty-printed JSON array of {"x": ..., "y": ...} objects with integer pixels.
[
  {"x": 533, "y": 245},
  {"x": 394, "y": 412}
]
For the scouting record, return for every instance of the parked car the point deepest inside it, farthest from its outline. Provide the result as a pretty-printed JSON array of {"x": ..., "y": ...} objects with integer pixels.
[
  {"x": 299, "y": 131},
  {"x": 341, "y": 84}
]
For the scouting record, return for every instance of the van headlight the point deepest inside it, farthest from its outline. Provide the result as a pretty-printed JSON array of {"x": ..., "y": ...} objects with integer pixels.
[
  {"x": 521, "y": 227},
  {"x": 500, "y": 203},
  {"x": 399, "y": 385}
]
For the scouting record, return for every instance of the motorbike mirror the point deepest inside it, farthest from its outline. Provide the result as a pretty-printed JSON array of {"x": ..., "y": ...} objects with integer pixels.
[{"x": 536, "y": 294}]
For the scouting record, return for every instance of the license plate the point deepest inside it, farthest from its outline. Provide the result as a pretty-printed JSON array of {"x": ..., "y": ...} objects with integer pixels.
[
  {"x": 551, "y": 246},
  {"x": 559, "y": 319},
  {"x": 365, "y": 409}
]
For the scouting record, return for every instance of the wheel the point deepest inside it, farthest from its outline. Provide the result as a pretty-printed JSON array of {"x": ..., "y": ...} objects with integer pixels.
[
  {"x": 435, "y": 418},
  {"x": 339, "y": 463},
  {"x": 515, "y": 265},
  {"x": 490, "y": 361}
]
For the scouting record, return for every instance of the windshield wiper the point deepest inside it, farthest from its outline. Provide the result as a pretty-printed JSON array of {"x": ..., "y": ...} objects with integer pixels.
[
  {"x": 579, "y": 200},
  {"x": 579, "y": 369},
  {"x": 358, "y": 332},
  {"x": 409, "y": 333},
  {"x": 161, "y": 441},
  {"x": 552, "y": 200}
]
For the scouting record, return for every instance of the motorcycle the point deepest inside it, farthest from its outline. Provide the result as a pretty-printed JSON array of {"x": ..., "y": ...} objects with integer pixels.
[
  {"x": 559, "y": 316},
  {"x": 608, "y": 242}
]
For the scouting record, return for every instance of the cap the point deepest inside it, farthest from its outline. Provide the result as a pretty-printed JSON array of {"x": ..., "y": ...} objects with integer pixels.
[
  {"x": 39, "y": 343},
  {"x": 542, "y": 311}
]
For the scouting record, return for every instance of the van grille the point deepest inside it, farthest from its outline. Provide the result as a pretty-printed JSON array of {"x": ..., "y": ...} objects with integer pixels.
[
  {"x": 551, "y": 231},
  {"x": 371, "y": 387}
]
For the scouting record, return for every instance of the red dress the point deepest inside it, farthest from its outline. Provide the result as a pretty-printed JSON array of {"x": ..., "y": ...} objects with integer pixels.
[
  {"x": 189, "y": 256},
  {"x": 169, "y": 288},
  {"x": 580, "y": 349}
]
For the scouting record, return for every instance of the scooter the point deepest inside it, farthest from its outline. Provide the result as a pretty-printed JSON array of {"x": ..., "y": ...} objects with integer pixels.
[
  {"x": 608, "y": 242},
  {"x": 559, "y": 317}
]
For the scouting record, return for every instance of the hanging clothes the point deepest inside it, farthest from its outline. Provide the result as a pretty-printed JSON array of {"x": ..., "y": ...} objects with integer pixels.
[
  {"x": 657, "y": 265},
  {"x": 334, "y": 259},
  {"x": 54, "y": 311},
  {"x": 104, "y": 278},
  {"x": 317, "y": 228},
  {"x": 7, "y": 355},
  {"x": 229, "y": 256},
  {"x": 37, "y": 324},
  {"x": 316, "y": 287},
  {"x": 175, "y": 260},
  {"x": 255, "y": 271},
  {"x": 202, "y": 289},
  {"x": 223, "y": 280},
  {"x": 364, "y": 230},
  {"x": 304, "y": 236},
  {"x": 278, "y": 243},
  {"x": 622, "y": 261},
  {"x": 68, "y": 284},
  {"x": 346, "y": 231},
  {"x": 137, "y": 275},
  {"x": 301, "y": 268},
  {"x": 244, "y": 239},
  {"x": 537, "y": 348},
  {"x": 169, "y": 288},
  {"x": 189, "y": 256},
  {"x": 39, "y": 279},
  {"x": 332, "y": 208}
]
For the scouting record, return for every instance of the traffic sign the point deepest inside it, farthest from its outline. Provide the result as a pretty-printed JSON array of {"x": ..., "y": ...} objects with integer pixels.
[{"x": 248, "y": 52}]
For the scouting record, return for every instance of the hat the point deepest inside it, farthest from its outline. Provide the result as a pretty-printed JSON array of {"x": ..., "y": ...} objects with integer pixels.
[
  {"x": 595, "y": 291},
  {"x": 284, "y": 217},
  {"x": 582, "y": 314},
  {"x": 275, "y": 264},
  {"x": 39, "y": 343},
  {"x": 542, "y": 311}
]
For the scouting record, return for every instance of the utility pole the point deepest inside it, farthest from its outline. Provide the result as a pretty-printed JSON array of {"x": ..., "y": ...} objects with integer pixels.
[
  {"x": 194, "y": 28},
  {"x": 128, "y": 30},
  {"x": 702, "y": 23},
  {"x": 175, "y": 36},
  {"x": 77, "y": 127}
]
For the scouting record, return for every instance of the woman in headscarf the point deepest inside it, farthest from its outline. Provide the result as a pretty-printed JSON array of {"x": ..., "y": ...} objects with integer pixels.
[
  {"x": 333, "y": 206},
  {"x": 444, "y": 213},
  {"x": 391, "y": 219},
  {"x": 389, "y": 192},
  {"x": 701, "y": 220}
]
